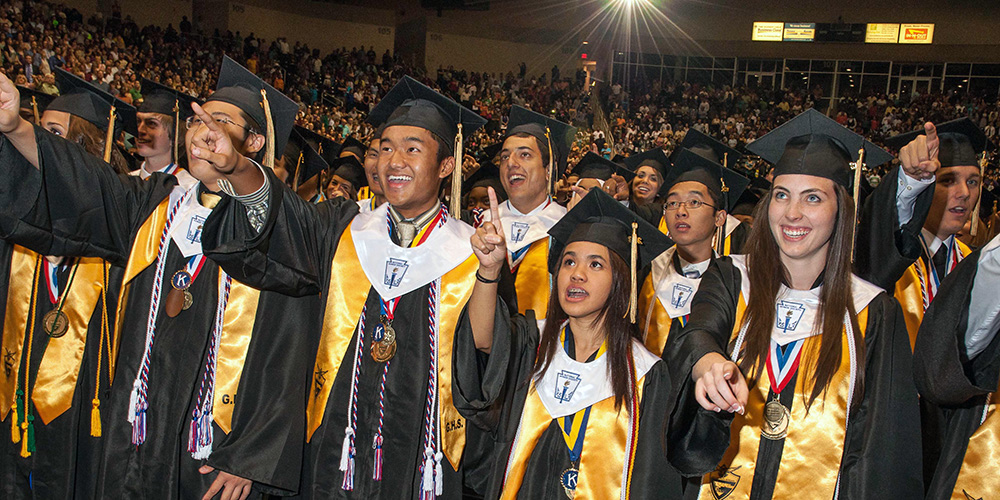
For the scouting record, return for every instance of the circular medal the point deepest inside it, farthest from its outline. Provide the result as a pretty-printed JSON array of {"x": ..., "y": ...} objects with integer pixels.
[
  {"x": 568, "y": 479},
  {"x": 390, "y": 334},
  {"x": 776, "y": 418},
  {"x": 181, "y": 280},
  {"x": 383, "y": 351},
  {"x": 379, "y": 332},
  {"x": 188, "y": 300},
  {"x": 55, "y": 323}
]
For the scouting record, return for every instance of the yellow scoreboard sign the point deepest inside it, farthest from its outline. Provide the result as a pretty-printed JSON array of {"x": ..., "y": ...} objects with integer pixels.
[
  {"x": 882, "y": 33},
  {"x": 916, "y": 33},
  {"x": 768, "y": 32}
]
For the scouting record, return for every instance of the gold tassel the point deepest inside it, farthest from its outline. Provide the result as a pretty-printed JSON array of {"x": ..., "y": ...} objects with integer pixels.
[
  {"x": 632, "y": 298},
  {"x": 15, "y": 433},
  {"x": 974, "y": 228},
  {"x": 34, "y": 109},
  {"x": 269, "y": 151},
  {"x": 24, "y": 440},
  {"x": 295, "y": 176},
  {"x": 177, "y": 129},
  {"x": 95, "y": 418},
  {"x": 859, "y": 166},
  {"x": 552, "y": 162},
  {"x": 455, "y": 207},
  {"x": 720, "y": 232},
  {"x": 110, "y": 137}
]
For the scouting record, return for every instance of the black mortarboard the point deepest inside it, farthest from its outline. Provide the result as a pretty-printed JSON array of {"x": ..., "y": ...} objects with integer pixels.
[
  {"x": 689, "y": 166},
  {"x": 814, "y": 144},
  {"x": 653, "y": 158},
  {"x": 490, "y": 153},
  {"x": 350, "y": 169},
  {"x": 707, "y": 147},
  {"x": 34, "y": 100},
  {"x": 412, "y": 103},
  {"x": 159, "y": 98},
  {"x": 525, "y": 121},
  {"x": 89, "y": 102},
  {"x": 325, "y": 146},
  {"x": 599, "y": 218},
  {"x": 961, "y": 142},
  {"x": 595, "y": 166},
  {"x": 747, "y": 202},
  {"x": 988, "y": 202},
  {"x": 241, "y": 88},
  {"x": 619, "y": 158},
  {"x": 352, "y": 145},
  {"x": 488, "y": 175},
  {"x": 301, "y": 157}
]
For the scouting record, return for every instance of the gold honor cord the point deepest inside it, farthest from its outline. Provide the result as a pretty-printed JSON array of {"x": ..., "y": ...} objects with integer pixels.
[
  {"x": 974, "y": 229},
  {"x": 105, "y": 344},
  {"x": 455, "y": 203},
  {"x": 269, "y": 151},
  {"x": 858, "y": 167},
  {"x": 110, "y": 137}
]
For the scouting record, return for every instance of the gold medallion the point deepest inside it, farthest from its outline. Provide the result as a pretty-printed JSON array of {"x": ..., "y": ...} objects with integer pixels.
[
  {"x": 776, "y": 418},
  {"x": 383, "y": 351},
  {"x": 55, "y": 323},
  {"x": 188, "y": 300},
  {"x": 568, "y": 480}
]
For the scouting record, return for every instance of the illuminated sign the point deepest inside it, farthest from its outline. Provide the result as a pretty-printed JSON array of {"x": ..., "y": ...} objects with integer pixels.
[
  {"x": 882, "y": 33},
  {"x": 916, "y": 33},
  {"x": 799, "y": 32},
  {"x": 768, "y": 32}
]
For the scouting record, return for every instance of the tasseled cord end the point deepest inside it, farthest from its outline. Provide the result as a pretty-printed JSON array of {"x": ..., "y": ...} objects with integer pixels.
[
  {"x": 28, "y": 440},
  {"x": 347, "y": 460},
  {"x": 633, "y": 262},
  {"x": 95, "y": 418},
  {"x": 455, "y": 205},
  {"x": 269, "y": 133},
  {"x": 377, "y": 446},
  {"x": 427, "y": 491},
  {"x": 15, "y": 432}
]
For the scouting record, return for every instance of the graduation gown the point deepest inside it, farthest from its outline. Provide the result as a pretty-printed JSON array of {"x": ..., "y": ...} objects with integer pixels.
[
  {"x": 61, "y": 376},
  {"x": 307, "y": 249},
  {"x": 664, "y": 301},
  {"x": 881, "y": 444},
  {"x": 959, "y": 387},
  {"x": 495, "y": 393},
  {"x": 83, "y": 209}
]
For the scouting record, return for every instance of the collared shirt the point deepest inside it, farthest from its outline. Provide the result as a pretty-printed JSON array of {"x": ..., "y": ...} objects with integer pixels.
[
  {"x": 256, "y": 202},
  {"x": 419, "y": 222}
]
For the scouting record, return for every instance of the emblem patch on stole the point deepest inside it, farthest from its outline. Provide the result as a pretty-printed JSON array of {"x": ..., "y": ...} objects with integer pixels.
[
  {"x": 680, "y": 295},
  {"x": 724, "y": 481},
  {"x": 319, "y": 378},
  {"x": 8, "y": 362},
  {"x": 970, "y": 497},
  {"x": 194, "y": 229},
  {"x": 394, "y": 271},
  {"x": 518, "y": 230},
  {"x": 566, "y": 384},
  {"x": 788, "y": 315}
]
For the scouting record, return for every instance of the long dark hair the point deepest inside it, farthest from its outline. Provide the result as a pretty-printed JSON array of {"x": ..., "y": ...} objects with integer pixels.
[
  {"x": 92, "y": 139},
  {"x": 767, "y": 273},
  {"x": 618, "y": 331}
]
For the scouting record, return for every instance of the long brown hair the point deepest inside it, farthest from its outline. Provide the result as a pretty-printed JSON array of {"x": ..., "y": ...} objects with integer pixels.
[
  {"x": 92, "y": 139},
  {"x": 766, "y": 275},
  {"x": 618, "y": 330}
]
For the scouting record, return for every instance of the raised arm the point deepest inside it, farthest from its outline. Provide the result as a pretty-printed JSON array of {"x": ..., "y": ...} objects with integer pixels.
[{"x": 491, "y": 249}]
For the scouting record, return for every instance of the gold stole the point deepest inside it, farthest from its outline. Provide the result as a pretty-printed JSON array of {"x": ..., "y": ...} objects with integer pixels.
[
  {"x": 344, "y": 302},
  {"x": 910, "y": 295},
  {"x": 978, "y": 477},
  {"x": 656, "y": 323},
  {"x": 814, "y": 445},
  {"x": 603, "y": 455},
  {"x": 22, "y": 270},
  {"x": 532, "y": 280},
  {"x": 662, "y": 226},
  {"x": 238, "y": 319}
]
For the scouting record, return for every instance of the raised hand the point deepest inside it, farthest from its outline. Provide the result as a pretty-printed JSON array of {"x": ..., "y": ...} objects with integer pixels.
[
  {"x": 621, "y": 188},
  {"x": 719, "y": 384},
  {"x": 488, "y": 243},
  {"x": 211, "y": 143},
  {"x": 919, "y": 158},
  {"x": 10, "y": 105}
]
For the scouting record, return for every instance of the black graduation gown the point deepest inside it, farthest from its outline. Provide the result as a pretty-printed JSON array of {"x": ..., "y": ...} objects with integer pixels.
[
  {"x": 957, "y": 386},
  {"x": 293, "y": 254},
  {"x": 882, "y": 445},
  {"x": 490, "y": 390},
  {"x": 651, "y": 212},
  {"x": 84, "y": 209}
]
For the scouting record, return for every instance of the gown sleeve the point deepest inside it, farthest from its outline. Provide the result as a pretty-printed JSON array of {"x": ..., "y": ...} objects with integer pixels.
[
  {"x": 652, "y": 477},
  {"x": 883, "y": 455},
  {"x": 884, "y": 249},
  {"x": 699, "y": 438},
  {"x": 74, "y": 204},
  {"x": 290, "y": 252}
]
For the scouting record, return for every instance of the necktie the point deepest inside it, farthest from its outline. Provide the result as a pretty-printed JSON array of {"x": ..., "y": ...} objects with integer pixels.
[
  {"x": 941, "y": 261},
  {"x": 407, "y": 230}
]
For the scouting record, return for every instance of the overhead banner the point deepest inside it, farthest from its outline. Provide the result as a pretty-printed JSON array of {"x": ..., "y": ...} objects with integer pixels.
[
  {"x": 768, "y": 32},
  {"x": 916, "y": 33},
  {"x": 882, "y": 33},
  {"x": 799, "y": 32}
]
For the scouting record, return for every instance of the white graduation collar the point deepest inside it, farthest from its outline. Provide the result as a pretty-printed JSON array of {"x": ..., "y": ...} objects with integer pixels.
[
  {"x": 395, "y": 271},
  {"x": 189, "y": 220},
  {"x": 524, "y": 229},
  {"x": 673, "y": 289}
]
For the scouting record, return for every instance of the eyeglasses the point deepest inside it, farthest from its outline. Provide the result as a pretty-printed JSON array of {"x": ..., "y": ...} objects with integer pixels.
[
  {"x": 690, "y": 205},
  {"x": 195, "y": 122}
]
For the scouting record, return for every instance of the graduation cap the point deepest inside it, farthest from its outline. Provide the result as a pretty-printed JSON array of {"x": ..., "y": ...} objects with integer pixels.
[
  {"x": 725, "y": 184},
  {"x": 325, "y": 146},
  {"x": 595, "y": 166},
  {"x": 961, "y": 142},
  {"x": 748, "y": 201},
  {"x": 352, "y": 145},
  {"x": 412, "y": 103},
  {"x": 351, "y": 170},
  {"x": 708, "y": 147},
  {"x": 159, "y": 98},
  {"x": 551, "y": 132},
  {"x": 620, "y": 159},
  {"x": 307, "y": 162},
  {"x": 488, "y": 175},
  {"x": 272, "y": 112},
  {"x": 35, "y": 101},
  {"x": 91, "y": 103},
  {"x": 653, "y": 158},
  {"x": 988, "y": 201},
  {"x": 490, "y": 153},
  {"x": 599, "y": 218}
]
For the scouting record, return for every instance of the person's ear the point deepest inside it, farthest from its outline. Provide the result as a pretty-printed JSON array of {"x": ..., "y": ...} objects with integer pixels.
[{"x": 446, "y": 167}]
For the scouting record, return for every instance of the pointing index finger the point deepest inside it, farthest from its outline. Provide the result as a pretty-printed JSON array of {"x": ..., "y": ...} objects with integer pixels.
[
  {"x": 494, "y": 210},
  {"x": 205, "y": 118},
  {"x": 932, "y": 140}
]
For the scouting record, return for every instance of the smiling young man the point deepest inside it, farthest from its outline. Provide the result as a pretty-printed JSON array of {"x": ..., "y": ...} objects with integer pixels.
[
  {"x": 695, "y": 207},
  {"x": 160, "y": 117},
  {"x": 906, "y": 239},
  {"x": 533, "y": 149},
  {"x": 380, "y": 401},
  {"x": 371, "y": 196},
  {"x": 187, "y": 335}
]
